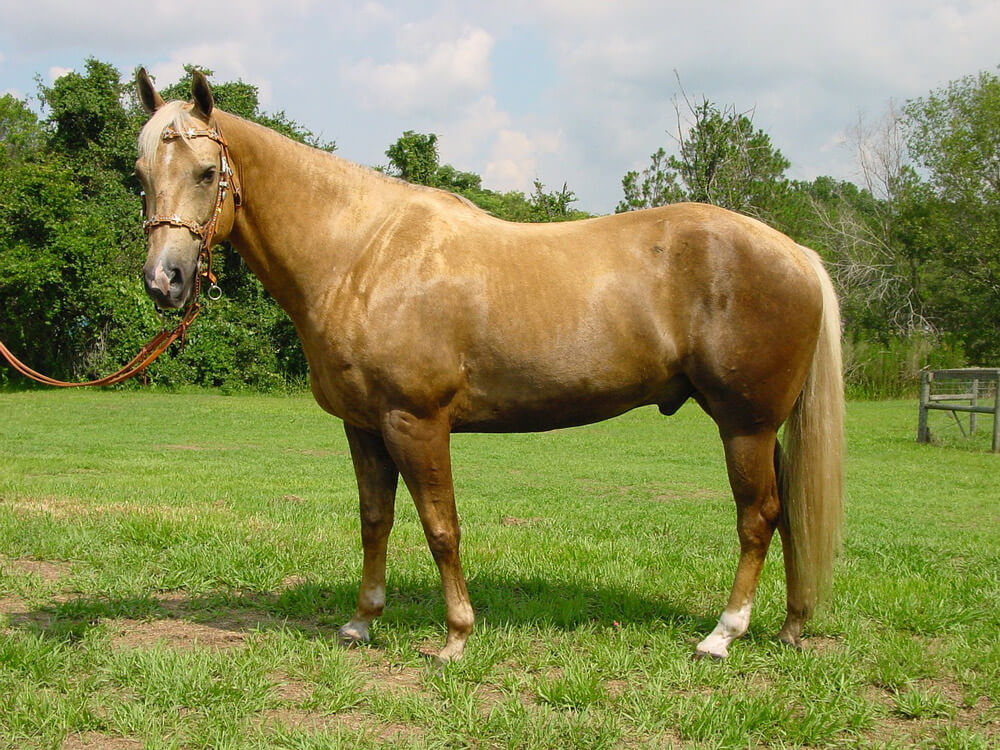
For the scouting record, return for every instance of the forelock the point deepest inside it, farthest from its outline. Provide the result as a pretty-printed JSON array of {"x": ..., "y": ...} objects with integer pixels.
[{"x": 172, "y": 114}]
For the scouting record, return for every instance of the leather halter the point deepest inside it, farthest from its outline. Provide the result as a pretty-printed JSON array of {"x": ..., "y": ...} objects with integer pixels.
[{"x": 205, "y": 232}]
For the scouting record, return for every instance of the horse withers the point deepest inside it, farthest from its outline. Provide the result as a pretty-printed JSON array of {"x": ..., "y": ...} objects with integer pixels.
[{"x": 421, "y": 315}]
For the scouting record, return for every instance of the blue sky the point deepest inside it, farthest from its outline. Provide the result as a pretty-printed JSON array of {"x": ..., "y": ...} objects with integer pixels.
[{"x": 577, "y": 92}]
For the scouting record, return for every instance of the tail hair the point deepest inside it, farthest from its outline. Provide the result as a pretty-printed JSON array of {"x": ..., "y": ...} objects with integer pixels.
[{"x": 812, "y": 462}]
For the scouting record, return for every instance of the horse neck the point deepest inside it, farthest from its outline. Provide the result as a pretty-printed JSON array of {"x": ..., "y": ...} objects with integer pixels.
[{"x": 301, "y": 221}]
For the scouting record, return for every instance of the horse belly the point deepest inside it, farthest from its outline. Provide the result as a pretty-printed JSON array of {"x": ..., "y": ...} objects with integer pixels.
[{"x": 563, "y": 389}]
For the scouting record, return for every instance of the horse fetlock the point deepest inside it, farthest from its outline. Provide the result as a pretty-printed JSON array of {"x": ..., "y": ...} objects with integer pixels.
[
  {"x": 791, "y": 632},
  {"x": 731, "y": 625}
]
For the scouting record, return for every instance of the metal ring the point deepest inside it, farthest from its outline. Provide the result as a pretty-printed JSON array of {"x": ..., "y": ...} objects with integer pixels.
[{"x": 214, "y": 292}]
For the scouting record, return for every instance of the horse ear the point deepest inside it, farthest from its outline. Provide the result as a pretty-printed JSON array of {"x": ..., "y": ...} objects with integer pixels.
[
  {"x": 202, "y": 93},
  {"x": 148, "y": 95}
]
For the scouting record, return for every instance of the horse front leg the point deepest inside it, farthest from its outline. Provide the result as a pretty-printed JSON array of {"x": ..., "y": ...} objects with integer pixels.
[
  {"x": 750, "y": 463},
  {"x": 377, "y": 478},
  {"x": 420, "y": 447}
]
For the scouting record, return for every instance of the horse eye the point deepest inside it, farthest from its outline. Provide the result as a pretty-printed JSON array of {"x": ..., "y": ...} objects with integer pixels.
[{"x": 207, "y": 176}]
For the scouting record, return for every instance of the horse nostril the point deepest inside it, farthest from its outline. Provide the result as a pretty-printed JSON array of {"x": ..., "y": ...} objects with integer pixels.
[{"x": 176, "y": 278}]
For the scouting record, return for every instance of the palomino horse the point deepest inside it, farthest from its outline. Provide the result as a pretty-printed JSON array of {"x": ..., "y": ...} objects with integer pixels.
[{"x": 421, "y": 315}]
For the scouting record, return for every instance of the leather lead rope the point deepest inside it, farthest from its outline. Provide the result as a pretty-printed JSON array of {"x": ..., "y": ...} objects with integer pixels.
[{"x": 162, "y": 341}]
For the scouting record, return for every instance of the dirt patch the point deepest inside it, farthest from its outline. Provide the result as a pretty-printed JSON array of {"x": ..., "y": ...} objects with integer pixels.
[
  {"x": 49, "y": 571},
  {"x": 515, "y": 521},
  {"x": 13, "y": 611},
  {"x": 289, "y": 689},
  {"x": 292, "y": 581},
  {"x": 489, "y": 696},
  {"x": 303, "y": 721},
  {"x": 61, "y": 508},
  {"x": 822, "y": 645},
  {"x": 179, "y": 634},
  {"x": 56, "y": 507},
  {"x": 98, "y": 741},
  {"x": 394, "y": 677},
  {"x": 616, "y": 688},
  {"x": 892, "y": 728}
]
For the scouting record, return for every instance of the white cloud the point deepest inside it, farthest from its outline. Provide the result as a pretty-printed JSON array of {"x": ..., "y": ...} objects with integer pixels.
[
  {"x": 372, "y": 15},
  {"x": 515, "y": 161},
  {"x": 467, "y": 136},
  {"x": 228, "y": 61},
  {"x": 449, "y": 73},
  {"x": 56, "y": 72}
]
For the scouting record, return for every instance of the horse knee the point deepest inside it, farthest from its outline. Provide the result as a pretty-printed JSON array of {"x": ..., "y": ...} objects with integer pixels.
[
  {"x": 375, "y": 521},
  {"x": 443, "y": 542}
]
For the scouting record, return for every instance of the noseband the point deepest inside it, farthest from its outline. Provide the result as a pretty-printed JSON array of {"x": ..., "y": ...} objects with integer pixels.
[{"x": 205, "y": 232}]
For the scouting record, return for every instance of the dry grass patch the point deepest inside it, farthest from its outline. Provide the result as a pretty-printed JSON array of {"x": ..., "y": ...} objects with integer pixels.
[
  {"x": 178, "y": 634},
  {"x": 515, "y": 521},
  {"x": 49, "y": 571},
  {"x": 381, "y": 674},
  {"x": 98, "y": 741},
  {"x": 822, "y": 644}
]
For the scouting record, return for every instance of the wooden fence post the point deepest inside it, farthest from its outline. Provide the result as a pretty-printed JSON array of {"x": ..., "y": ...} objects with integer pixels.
[
  {"x": 923, "y": 434},
  {"x": 996, "y": 414},
  {"x": 974, "y": 402}
]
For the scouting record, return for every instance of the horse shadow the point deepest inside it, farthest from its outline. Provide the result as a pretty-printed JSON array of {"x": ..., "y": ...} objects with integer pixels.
[{"x": 317, "y": 609}]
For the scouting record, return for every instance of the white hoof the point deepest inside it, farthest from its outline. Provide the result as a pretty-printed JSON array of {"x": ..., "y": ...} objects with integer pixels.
[
  {"x": 713, "y": 647},
  {"x": 731, "y": 626},
  {"x": 353, "y": 633}
]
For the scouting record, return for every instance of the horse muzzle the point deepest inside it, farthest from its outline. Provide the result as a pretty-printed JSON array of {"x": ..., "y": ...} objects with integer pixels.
[{"x": 167, "y": 284}]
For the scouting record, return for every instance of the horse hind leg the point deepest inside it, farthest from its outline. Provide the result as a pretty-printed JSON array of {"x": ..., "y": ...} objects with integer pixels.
[{"x": 750, "y": 463}]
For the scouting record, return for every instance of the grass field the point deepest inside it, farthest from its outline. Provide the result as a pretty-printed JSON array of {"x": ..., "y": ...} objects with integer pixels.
[{"x": 173, "y": 568}]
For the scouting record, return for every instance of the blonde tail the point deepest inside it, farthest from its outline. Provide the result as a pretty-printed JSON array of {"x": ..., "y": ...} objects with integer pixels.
[{"x": 811, "y": 465}]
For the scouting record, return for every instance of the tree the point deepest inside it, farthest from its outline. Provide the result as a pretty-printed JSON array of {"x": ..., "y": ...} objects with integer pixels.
[
  {"x": 721, "y": 158},
  {"x": 20, "y": 132},
  {"x": 414, "y": 157},
  {"x": 656, "y": 185},
  {"x": 952, "y": 136},
  {"x": 553, "y": 206},
  {"x": 870, "y": 234}
]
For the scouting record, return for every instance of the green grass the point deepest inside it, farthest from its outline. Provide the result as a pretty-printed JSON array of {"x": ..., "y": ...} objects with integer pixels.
[{"x": 173, "y": 568}]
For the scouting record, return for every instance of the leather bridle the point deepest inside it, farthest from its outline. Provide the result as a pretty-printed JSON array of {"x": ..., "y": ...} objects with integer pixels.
[{"x": 206, "y": 232}]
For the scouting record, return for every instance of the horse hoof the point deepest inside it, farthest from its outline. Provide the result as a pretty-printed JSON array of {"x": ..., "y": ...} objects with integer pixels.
[
  {"x": 793, "y": 643},
  {"x": 353, "y": 634},
  {"x": 447, "y": 656},
  {"x": 699, "y": 655}
]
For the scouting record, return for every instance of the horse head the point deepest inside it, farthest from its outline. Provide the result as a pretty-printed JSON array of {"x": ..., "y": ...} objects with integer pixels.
[{"x": 184, "y": 169}]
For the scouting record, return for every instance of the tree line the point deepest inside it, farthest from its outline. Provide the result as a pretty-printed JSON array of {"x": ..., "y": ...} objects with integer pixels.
[{"x": 912, "y": 245}]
